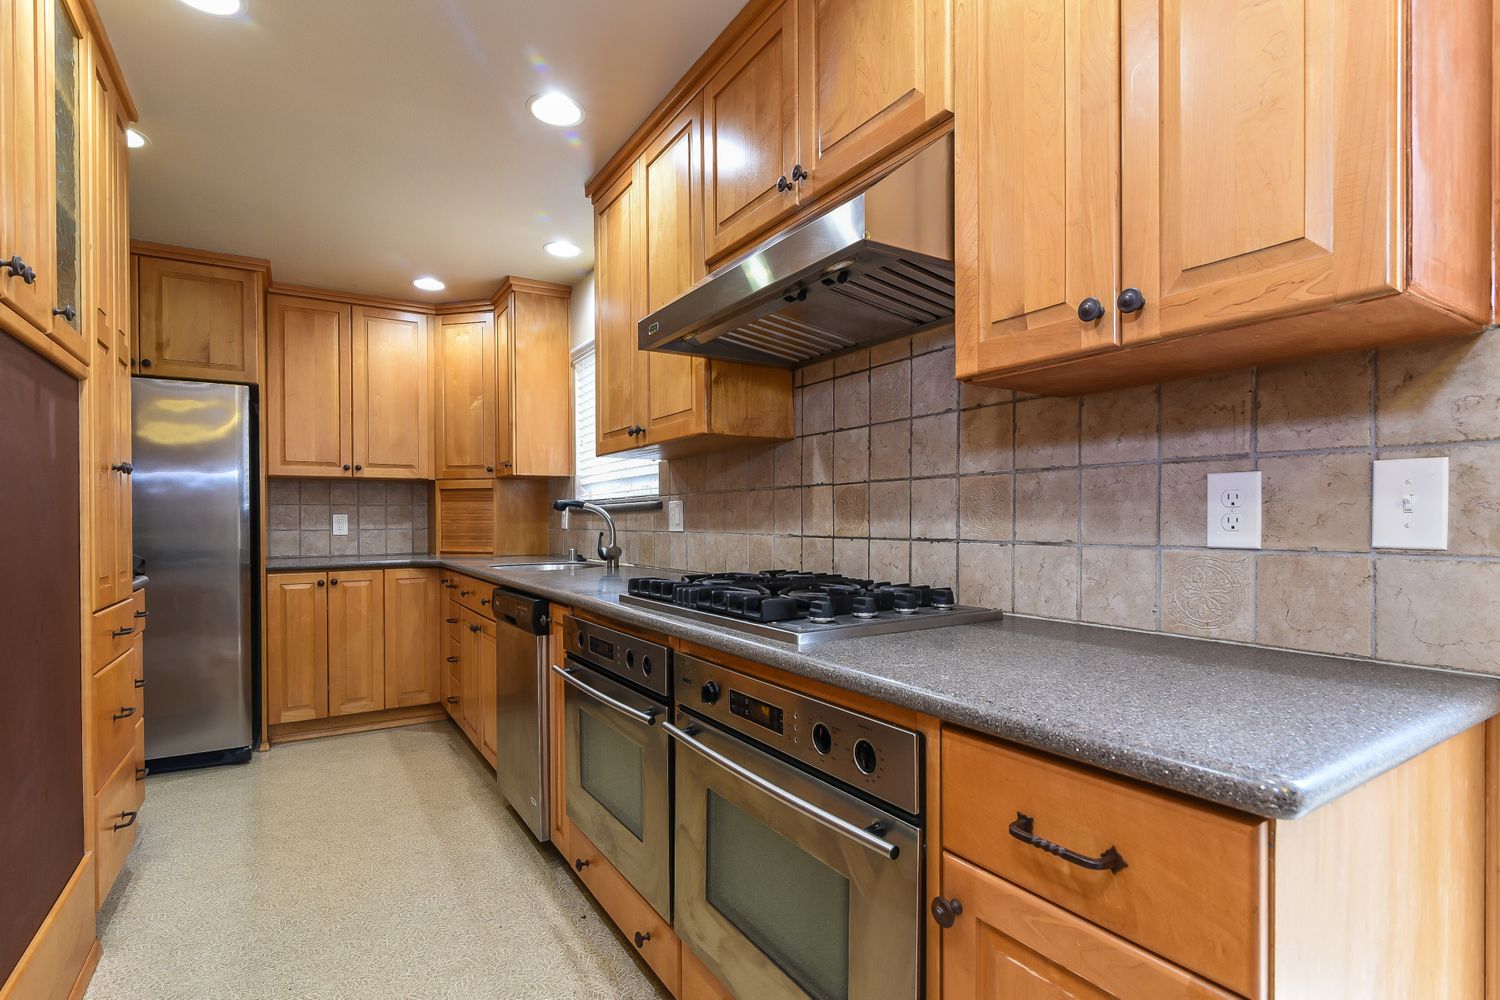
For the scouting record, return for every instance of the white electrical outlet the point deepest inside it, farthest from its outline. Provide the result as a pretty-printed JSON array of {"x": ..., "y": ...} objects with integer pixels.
[
  {"x": 1233, "y": 510},
  {"x": 674, "y": 515},
  {"x": 341, "y": 524},
  {"x": 1410, "y": 508}
]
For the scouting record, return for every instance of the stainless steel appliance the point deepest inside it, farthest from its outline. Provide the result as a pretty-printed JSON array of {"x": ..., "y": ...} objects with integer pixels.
[
  {"x": 798, "y": 841},
  {"x": 802, "y": 608},
  {"x": 192, "y": 489},
  {"x": 619, "y": 786},
  {"x": 878, "y": 266},
  {"x": 521, "y": 706}
]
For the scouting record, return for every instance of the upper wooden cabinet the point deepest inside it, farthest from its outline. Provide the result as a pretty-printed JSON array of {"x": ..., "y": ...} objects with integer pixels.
[
  {"x": 309, "y": 387},
  {"x": 533, "y": 379},
  {"x": 1346, "y": 206},
  {"x": 464, "y": 351},
  {"x": 70, "y": 58},
  {"x": 392, "y": 394},
  {"x": 619, "y": 368},
  {"x": 27, "y": 188},
  {"x": 197, "y": 318},
  {"x": 750, "y": 120},
  {"x": 871, "y": 75}
]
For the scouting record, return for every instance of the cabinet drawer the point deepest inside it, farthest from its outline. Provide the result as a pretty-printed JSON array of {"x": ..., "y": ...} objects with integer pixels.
[
  {"x": 474, "y": 595},
  {"x": 138, "y": 613},
  {"x": 114, "y": 629},
  {"x": 628, "y": 909},
  {"x": 116, "y": 707},
  {"x": 115, "y": 810},
  {"x": 1194, "y": 882}
]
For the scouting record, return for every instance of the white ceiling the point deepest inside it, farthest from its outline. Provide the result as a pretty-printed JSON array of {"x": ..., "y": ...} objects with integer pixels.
[{"x": 359, "y": 144}]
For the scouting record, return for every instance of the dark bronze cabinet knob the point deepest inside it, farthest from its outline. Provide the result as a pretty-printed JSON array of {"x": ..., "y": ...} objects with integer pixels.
[
  {"x": 579, "y": 864},
  {"x": 782, "y": 184},
  {"x": 642, "y": 938},
  {"x": 945, "y": 911},
  {"x": 145, "y": 362},
  {"x": 67, "y": 312},
  {"x": 346, "y": 467},
  {"x": 320, "y": 583},
  {"x": 489, "y": 468},
  {"x": 334, "y": 582},
  {"x": 1131, "y": 300},
  {"x": 18, "y": 268},
  {"x": 1090, "y": 309},
  {"x": 452, "y": 700},
  {"x": 798, "y": 174},
  {"x": 359, "y": 468}
]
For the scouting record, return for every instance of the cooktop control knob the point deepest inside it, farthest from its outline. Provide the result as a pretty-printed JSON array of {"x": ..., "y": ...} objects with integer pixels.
[
  {"x": 864, "y": 757},
  {"x": 822, "y": 739},
  {"x": 710, "y": 692}
]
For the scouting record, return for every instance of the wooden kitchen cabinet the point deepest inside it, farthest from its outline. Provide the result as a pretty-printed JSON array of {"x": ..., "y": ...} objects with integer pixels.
[
  {"x": 750, "y": 121},
  {"x": 392, "y": 394},
  {"x": 27, "y": 191},
  {"x": 413, "y": 638},
  {"x": 69, "y": 124},
  {"x": 1347, "y": 207},
  {"x": 356, "y": 642},
  {"x": 464, "y": 352},
  {"x": 309, "y": 387},
  {"x": 619, "y": 302},
  {"x": 534, "y": 379},
  {"x": 198, "y": 318},
  {"x": 296, "y": 647},
  {"x": 486, "y": 667}
]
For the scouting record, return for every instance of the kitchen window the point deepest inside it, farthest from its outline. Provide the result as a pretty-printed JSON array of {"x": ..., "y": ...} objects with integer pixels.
[{"x": 610, "y": 477}]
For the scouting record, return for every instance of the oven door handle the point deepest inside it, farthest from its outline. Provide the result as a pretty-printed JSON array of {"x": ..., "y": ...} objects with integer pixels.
[
  {"x": 858, "y": 834},
  {"x": 646, "y": 718}
]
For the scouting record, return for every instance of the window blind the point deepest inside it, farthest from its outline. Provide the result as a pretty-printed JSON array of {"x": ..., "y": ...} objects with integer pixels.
[{"x": 613, "y": 477}]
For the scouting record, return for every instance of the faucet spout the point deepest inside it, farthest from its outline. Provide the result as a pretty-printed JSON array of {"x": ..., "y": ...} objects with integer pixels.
[{"x": 609, "y": 553}]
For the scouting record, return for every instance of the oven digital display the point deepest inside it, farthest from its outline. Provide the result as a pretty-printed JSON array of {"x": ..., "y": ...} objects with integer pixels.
[
  {"x": 599, "y": 647},
  {"x": 759, "y": 712}
]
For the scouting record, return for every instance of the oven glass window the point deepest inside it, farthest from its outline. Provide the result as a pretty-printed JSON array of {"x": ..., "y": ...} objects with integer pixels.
[
  {"x": 791, "y": 905},
  {"x": 609, "y": 769}
]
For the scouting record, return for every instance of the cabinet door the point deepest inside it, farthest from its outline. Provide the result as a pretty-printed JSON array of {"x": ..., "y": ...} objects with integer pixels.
[
  {"x": 198, "y": 321},
  {"x": 750, "y": 135},
  {"x": 296, "y": 647},
  {"x": 872, "y": 74},
  {"x": 108, "y": 393},
  {"x": 1036, "y": 155},
  {"x": 486, "y": 666},
  {"x": 27, "y": 228},
  {"x": 619, "y": 368},
  {"x": 309, "y": 388},
  {"x": 541, "y": 389},
  {"x": 667, "y": 176},
  {"x": 1008, "y": 944},
  {"x": 356, "y": 642},
  {"x": 464, "y": 346},
  {"x": 70, "y": 85},
  {"x": 392, "y": 383},
  {"x": 1263, "y": 159},
  {"x": 505, "y": 377},
  {"x": 413, "y": 634},
  {"x": 470, "y": 676}
]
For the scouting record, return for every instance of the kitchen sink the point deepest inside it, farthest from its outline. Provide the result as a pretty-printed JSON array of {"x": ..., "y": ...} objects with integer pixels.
[{"x": 540, "y": 566}]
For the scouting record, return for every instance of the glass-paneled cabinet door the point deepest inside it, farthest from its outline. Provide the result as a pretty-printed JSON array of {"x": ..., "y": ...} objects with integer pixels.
[{"x": 67, "y": 56}]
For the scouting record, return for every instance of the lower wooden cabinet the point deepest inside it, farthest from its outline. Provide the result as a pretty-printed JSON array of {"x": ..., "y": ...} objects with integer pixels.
[
  {"x": 117, "y": 807},
  {"x": 642, "y": 926},
  {"x": 117, "y": 737},
  {"x": 356, "y": 642},
  {"x": 296, "y": 647},
  {"x": 116, "y": 708},
  {"x": 1008, "y": 943},
  {"x": 413, "y": 658}
]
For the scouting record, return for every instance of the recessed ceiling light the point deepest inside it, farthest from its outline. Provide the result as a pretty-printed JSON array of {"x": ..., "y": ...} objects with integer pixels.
[
  {"x": 561, "y": 248},
  {"x": 429, "y": 284},
  {"x": 556, "y": 109},
  {"x": 221, "y": 8},
  {"x": 134, "y": 139}
]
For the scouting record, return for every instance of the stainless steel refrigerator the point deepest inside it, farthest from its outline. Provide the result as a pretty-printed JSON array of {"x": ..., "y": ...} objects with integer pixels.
[{"x": 193, "y": 491}]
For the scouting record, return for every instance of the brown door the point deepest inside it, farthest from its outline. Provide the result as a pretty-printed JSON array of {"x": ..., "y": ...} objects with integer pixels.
[
  {"x": 356, "y": 642},
  {"x": 296, "y": 647},
  {"x": 108, "y": 393},
  {"x": 1036, "y": 151},
  {"x": 505, "y": 377},
  {"x": 1007, "y": 943},
  {"x": 1263, "y": 159},
  {"x": 464, "y": 346},
  {"x": 671, "y": 203},
  {"x": 198, "y": 321},
  {"x": 619, "y": 368},
  {"x": 309, "y": 388},
  {"x": 750, "y": 135},
  {"x": 28, "y": 226},
  {"x": 392, "y": 382},
  {"x": 872, "y": 74},
  {"x": 413, "y": 602}
]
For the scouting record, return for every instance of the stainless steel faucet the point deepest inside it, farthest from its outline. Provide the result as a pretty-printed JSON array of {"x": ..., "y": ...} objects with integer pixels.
[{"x": 609, "y": 553}]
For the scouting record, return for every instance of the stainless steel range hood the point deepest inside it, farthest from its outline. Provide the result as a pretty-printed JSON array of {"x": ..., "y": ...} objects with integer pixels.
[{"x": 878, "y": 266}]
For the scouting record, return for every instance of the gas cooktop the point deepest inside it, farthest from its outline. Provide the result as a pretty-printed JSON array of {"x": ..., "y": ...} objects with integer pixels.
[{"x": 802, "y": 608}]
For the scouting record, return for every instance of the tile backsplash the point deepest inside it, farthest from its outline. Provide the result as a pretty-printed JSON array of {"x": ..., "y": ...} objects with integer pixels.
[
  {"x": 1093, "y": 508},
  {"x": 384, "y": 517}
]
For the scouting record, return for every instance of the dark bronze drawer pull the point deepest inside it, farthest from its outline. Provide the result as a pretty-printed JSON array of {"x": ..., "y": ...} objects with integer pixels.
[
  {"x": 1109, "y": 861},
  {"x": 140, "y": 682},
  {"x": 122, "y": 630},
  {"x": 143, "y": 614},
  {"x": 125, "y": 712},
  {"x": 128, "y": 817},
  {"x": 451, "y": 621},
  {"x": 452, "y": 659},
  {"x": 452, "y": 700},
  {"x": 642, "y": 938},
  {"x": 579, "y": 864},
  {"x": 474, "y": 628}
]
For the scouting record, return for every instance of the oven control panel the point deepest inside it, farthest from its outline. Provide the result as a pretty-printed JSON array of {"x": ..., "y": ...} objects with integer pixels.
[
  {"x": 637, "y": 660},
  {"x": 873, "y": 756}
]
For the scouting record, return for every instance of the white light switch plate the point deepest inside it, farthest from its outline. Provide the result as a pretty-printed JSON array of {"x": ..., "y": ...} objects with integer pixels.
[
  {"x": 341, "y": 524},
  {"x": 1233, "y": 510},
  {"x": 674, "y": 515},
  {"x": 1411, "y": 504}
]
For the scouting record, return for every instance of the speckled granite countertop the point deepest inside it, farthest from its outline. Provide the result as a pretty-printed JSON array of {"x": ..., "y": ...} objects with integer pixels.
[{"x": 1272, "y": 733}]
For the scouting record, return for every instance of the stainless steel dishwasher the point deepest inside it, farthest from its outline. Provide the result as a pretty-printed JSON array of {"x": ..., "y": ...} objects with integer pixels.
[{"x": 521, "y": 705}]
